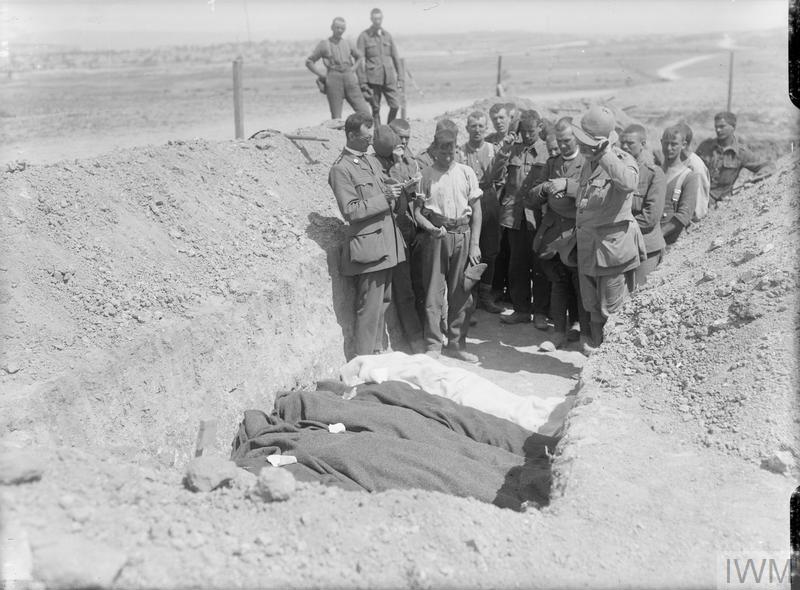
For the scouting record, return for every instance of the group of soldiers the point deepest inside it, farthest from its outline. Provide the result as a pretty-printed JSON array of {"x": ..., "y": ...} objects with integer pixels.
[
  {"x": 562, "y": 220},
  {"x": 584, "y": 211},
  {"x": 362, "y": 73}
]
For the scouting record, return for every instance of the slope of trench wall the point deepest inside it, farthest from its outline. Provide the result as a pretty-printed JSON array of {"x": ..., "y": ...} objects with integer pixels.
[
  {"x": 147, "y": 289},
  {"x": 684, "y": 431}
]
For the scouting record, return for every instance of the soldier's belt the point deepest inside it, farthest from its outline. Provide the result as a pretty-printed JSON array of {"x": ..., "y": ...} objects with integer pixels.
[{"x": 457, "y": 225}]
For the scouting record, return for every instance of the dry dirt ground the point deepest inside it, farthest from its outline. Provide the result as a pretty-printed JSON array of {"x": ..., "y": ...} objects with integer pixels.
[{"x": 145, "y": 289}]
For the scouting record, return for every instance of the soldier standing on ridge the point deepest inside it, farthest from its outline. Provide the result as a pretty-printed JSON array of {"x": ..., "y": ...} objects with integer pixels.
[
  {"x": 344, "y": 77},
  {"x": 382, "y": 66}
]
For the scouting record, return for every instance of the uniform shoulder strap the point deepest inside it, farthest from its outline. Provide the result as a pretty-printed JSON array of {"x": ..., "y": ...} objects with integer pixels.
[{"x": 676, "y": 192}]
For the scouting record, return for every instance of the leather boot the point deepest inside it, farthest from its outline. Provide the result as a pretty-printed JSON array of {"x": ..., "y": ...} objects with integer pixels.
[
  {"x": 485, "y": 299},
  {"x": 597, "y": 333}
]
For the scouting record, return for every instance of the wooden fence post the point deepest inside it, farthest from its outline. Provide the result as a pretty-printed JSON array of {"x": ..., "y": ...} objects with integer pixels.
[
  {"x": 498, "y": 87},
  {"x": 238, "y": 99},
  {"x": 730, "y": 81},
  {"x": 403, "y": 111}
]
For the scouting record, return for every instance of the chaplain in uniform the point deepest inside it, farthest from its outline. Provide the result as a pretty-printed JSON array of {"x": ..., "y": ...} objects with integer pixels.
[{"x": 374, "y": 244}]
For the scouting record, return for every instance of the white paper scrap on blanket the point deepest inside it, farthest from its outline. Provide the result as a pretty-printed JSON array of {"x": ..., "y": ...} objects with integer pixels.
[
  {"x": 281, "y": 460},
  {"x": 458, "y": 385}
]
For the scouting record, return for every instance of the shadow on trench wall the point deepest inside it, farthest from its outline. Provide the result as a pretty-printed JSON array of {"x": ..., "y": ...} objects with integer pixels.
[{"x": 329, "y": 234}]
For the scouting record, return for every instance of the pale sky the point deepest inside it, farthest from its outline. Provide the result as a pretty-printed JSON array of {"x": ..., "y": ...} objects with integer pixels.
[{"x": 121, "y": 24}]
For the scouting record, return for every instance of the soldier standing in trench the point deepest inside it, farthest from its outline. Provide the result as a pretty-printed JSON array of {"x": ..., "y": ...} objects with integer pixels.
[
  {"x": 725, "y": 156},
  {"x": 683, "y": 185},
  {"x": 344, "y": 76},
  {"x": 610, "y": 243},
  {"x": 448, "y": 215},
  {"x": 555, "y": 239},
  {"x": 519, "y": 166},
  {"x": 374, "y": 244},
  {"x": 478, "y": 154},
  {"x": 404, "y": 171},
  {"x": 648, "y": 199}
]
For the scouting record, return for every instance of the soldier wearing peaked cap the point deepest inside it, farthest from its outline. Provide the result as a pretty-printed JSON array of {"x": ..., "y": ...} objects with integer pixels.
[{"x": 374, "y": 244}]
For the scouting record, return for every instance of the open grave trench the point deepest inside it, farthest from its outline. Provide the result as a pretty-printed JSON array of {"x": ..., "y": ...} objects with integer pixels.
[{"x": 153, "y": 288}]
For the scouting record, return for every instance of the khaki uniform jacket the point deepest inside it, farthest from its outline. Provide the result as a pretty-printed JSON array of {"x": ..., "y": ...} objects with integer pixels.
[
  {"x": 518, "y": 170},
  {"x": 557, "y": 229},
  {"x": 373, "y": 240},
  {"x": 681, "y": 200},
  {"x": 339, "y": 56},
  {"x": 609, "y": 239},
  {"x": 381, "y": 59},
  {"x": 648, "y": 204},
  {"x": 725, "y": 163}
]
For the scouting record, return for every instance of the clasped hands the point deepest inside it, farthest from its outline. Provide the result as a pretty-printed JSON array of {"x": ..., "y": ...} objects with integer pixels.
[{"x": 556, "y": 187}]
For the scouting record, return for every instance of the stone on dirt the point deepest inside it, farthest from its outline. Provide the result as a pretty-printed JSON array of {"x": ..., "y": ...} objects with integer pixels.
[
  {"x": 274, "y": 485},
  {"x": 778, "y": 462},
  {"x": 208, "y": 472},
  {"x": 20, "y": 466},
  {"x": 11, "y": 367},
  {"x": 70, "y": 562},
  {"x": 244, "y": 480}
]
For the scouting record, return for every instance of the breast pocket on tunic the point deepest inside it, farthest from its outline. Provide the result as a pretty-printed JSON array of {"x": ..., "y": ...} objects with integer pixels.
[
  {"x": 371, "y": 48},
  {"x": 368, "y": 247},
  {"x": 730, "y": 159},
  {"x": 365, "y": 188},
  {"x": 598, "y": 188}
]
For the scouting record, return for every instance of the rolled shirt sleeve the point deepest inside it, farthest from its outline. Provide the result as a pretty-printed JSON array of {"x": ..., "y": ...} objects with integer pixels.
[
  {"x": 316, "y": 55},
  {"x": 475, "y": 191},
  {"x": 755, "y": 164}
]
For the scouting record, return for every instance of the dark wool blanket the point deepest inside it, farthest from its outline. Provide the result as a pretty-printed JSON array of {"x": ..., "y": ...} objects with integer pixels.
[{"x": 398, "y": 437}]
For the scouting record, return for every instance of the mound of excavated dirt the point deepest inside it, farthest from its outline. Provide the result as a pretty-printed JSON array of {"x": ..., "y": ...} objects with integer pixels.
[
  {"x": 717, "y": 328},
  {"x": 146, "y": 289},
  {"x": 150, "y": 288}
]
